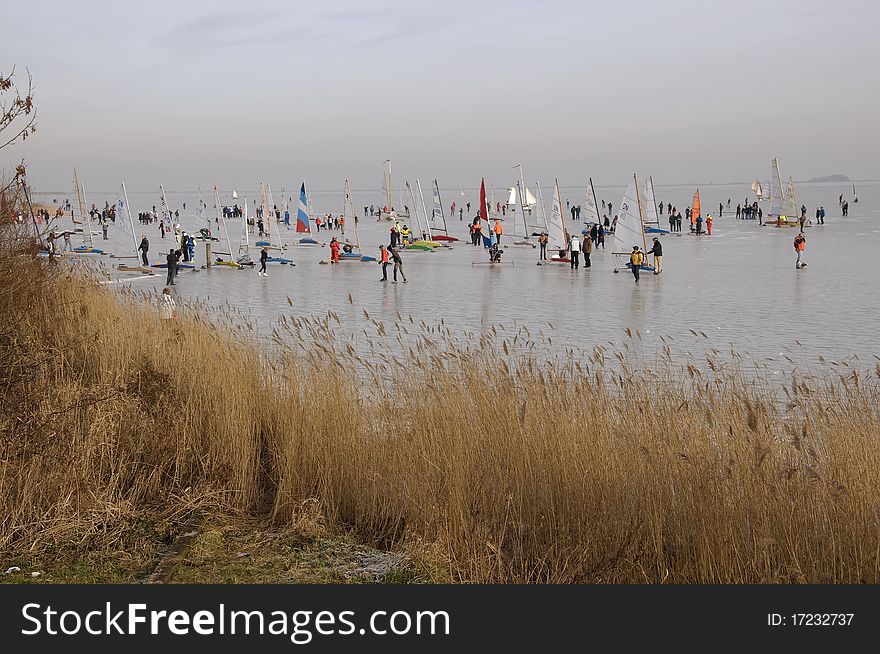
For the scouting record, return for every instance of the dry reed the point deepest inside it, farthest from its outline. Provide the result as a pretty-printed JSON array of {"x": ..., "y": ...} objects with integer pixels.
[{"x": 498, "y": 467}]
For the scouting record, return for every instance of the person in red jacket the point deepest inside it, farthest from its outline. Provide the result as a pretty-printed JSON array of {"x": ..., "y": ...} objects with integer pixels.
[
  {"x": 383, "y": 261},
  {"x": 334, "y": 250}
]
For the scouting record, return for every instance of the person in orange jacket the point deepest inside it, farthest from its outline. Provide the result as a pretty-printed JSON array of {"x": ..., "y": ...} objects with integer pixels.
[
  {"x": 383, "y": 261},
  {"x": 498, "y": 231},
  {"x": 800, "y": 244},
  {"x": 334, "y": 250},
  {"x": 709, "y": 225}
]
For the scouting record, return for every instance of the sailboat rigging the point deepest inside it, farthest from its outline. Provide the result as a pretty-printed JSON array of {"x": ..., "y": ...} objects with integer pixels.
[
  {"x": 85, "y": 217},
  {"x": 436, "y": 211},
  {"x": 630, "y": 229}
]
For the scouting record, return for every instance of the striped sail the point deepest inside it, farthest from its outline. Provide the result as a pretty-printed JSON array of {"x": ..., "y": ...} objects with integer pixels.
[{"x": 302, "y": 212}]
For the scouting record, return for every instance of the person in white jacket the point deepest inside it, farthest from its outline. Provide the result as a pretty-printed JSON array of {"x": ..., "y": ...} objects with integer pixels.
[
  {"x": 574, "y": 248},
  {"x": 166, "y": 304}
]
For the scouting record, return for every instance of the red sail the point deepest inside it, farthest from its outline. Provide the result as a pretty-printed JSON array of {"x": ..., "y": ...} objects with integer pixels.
[{"x": 484, "y": 215}]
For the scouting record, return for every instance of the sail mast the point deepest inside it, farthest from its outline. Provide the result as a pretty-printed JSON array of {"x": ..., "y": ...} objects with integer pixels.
[
  {"x": 523, "y": 199},
  {"x": 641, "y": 217},
  {"x": 541, "y": 211},
  {"x": 348, "y": 214},
  {"x": 522, "y": 211},
  {"x": 558, "y": 199},
  {"x": 244, "y": 222},
  {"x": 595, "y": 203}
]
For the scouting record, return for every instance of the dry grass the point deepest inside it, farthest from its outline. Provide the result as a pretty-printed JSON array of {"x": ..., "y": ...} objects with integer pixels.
[{"x": 492, "y": 469}]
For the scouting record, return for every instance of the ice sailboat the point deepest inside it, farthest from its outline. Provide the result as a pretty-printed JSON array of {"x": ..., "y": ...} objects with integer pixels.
[
  {"x": 630, "y": 229},
  {"x": 303, "y": 221}
]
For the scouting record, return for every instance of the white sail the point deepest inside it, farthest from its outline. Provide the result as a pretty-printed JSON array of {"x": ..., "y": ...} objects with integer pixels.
[
  {"x": 386, "y": 187},
  {"x": 166, "y": 210},
  {"x": 649, "y": 203},
  {"x": 424, "y": 217},
  {"x": 557, "y": 234},
  {"x": 511, "y": 196},
  {"x": 123, "y": 215},
  {"x": 437, "y": 211},
  {"x": 758, "y": 189},
  {"x": 543, "y": 225},
  {"x": 348, "y": 215},
  {"x": 530, "y": 199},
  {"x": 777, "y": 194},
  {"x": 790, "y": 204},
  {"x": 630, "y": 230},
  {"x": 83, "y": 213},
  {"x": 591, "y": 207},
  {"x": 411, "y": 203}
]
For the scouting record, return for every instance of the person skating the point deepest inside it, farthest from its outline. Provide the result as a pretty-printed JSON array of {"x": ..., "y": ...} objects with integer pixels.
[
  {"x": 171, "y": 261},
  {"x": 800, "y": 244},
  {"x": 334, "y": 250},
  {"x": 635, "y": 261},
  {"x": 398, "y": 265},
  {"x": 264, "y": 257},
  {"x": 542, "y": 241},
  {"x": 143, "y": 248},
  {"x": 495, "y": 253},
  {"x": 657, "y": 251},
  {"x": 574, "y": 247},
  {"x": 587, "y": 249}
]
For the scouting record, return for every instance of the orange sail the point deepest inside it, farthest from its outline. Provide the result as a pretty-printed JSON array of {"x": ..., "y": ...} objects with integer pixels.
[{"x": 696, "y": 212}]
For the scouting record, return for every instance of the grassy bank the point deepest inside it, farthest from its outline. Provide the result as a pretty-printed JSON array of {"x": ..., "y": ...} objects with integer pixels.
[{"x": 117, "y": 425}]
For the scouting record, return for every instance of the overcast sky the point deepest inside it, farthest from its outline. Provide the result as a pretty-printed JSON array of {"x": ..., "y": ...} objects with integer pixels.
[{"x": 197, "y": 93}]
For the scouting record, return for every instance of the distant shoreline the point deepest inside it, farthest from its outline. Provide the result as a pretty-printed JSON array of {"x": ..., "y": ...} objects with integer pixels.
[{"x": 476, "y": 189}]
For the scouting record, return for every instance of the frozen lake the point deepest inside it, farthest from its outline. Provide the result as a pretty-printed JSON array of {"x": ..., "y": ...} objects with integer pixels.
[{"x": 739, "y": 287}]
